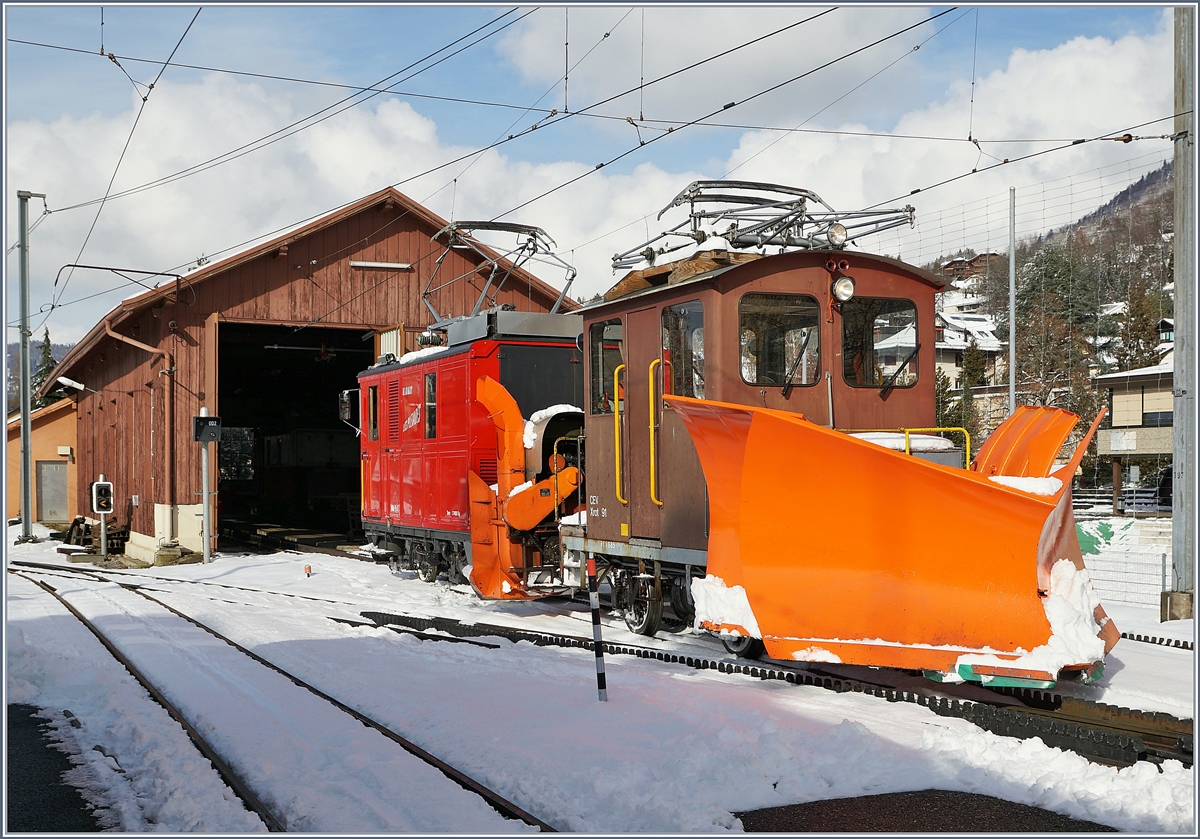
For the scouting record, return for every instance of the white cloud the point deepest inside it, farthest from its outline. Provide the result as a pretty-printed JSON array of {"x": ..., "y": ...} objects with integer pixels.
[
  {"x": 1082, "y": 88},
  {"x": 673, "y": 38}
]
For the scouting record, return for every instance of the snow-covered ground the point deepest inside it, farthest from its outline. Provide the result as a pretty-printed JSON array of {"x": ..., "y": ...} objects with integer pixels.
[{"x": 673, "y": 749}]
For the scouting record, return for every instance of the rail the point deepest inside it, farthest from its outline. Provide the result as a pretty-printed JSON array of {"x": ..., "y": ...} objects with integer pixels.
[
  {"x": 231, "y": 778},
  {"x": 495, "y": 800}
]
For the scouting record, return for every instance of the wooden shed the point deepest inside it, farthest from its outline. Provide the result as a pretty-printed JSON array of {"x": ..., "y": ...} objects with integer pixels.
[{"x": 265, "y": 340}]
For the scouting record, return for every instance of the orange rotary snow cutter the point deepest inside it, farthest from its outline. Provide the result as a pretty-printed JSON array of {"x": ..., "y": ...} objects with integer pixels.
[
  {"x": 851, "y": 552},
  {"x": 500, "y": 561}
]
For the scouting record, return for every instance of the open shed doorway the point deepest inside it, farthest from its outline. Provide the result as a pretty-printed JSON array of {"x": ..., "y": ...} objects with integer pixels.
[{"x": 285, "y": 457}]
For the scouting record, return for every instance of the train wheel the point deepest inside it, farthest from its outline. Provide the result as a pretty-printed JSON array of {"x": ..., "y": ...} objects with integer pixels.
[
  {"x": 681, "y": 601},
  {"x": 643, "y": 614},
  {"x": 744, "y": 646},
  {"x": 427, "y": 572}
]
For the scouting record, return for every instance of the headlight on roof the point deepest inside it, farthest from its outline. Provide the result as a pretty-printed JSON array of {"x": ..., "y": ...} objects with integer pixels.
[{"x": 836, "y": 234}]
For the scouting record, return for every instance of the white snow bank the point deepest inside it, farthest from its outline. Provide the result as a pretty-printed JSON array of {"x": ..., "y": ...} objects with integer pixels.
[
  {"x": 895, "y": 441},
  {"x": 418, "y": 355},
  {"x": 517, "y": 490},
  {"x": 543, "y": 416},
  {"x": 133, "y": 762},
  {"x": 1070, "y": 608},
  {"x": 816, "y": 654},
  {"x": 576, "y": 518},
  {"x": 719, "y": 604},
  {"x": 1034, "y": 486}
]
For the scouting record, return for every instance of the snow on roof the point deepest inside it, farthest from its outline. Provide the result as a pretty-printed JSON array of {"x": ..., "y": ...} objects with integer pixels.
[
  {"x": 960, "y": 327},
  {"x": 1167, "y": 369}
]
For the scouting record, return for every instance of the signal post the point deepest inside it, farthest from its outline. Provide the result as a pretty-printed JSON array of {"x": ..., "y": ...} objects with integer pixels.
[{"x": 102, "y": 505}]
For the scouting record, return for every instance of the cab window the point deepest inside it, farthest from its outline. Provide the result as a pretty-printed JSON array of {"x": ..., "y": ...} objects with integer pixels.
[
  {"x": 605, "y": 355},
  {"x": 779, "y": 338},
  {"x": 373, "y": 412},
  {"x": 430, "y": 406},
  {"x": 879, "y": 342},
  {"x": 683, "y": 349}
]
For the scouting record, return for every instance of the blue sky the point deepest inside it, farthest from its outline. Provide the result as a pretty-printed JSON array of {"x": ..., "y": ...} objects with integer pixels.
[{"x": 1039, "y": 73}]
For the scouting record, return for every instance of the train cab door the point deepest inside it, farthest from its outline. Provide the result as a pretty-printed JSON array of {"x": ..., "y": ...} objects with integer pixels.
[
  {"x": 372, "y": 462},
  {"x": 643, "y": 416}
]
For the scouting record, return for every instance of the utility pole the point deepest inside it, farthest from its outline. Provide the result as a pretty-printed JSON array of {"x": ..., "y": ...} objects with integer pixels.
[
  {"x": 1012, "y": 300},
  {"x": 26, "y": 431},
  {"x": 1177, "y": 604}
]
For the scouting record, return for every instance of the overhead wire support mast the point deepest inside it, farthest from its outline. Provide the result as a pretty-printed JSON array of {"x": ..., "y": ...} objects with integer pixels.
[
  {"x": 535, "y": 243},
  {"x": 762, "y": 214}
]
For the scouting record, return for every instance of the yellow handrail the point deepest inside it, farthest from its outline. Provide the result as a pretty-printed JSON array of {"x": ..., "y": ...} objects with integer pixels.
[
  {"x": 653, "y": 465},
  {"x": 965, "y": 433},
  {"x": 617, "y": 402}
]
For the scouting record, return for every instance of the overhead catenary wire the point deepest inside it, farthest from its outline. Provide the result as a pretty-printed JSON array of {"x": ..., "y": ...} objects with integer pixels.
[
  {"x": 693, "y": 122},
  {"x": 725, "y": 107},
  {"x": 458, "y": 100},
  {"x": 305, "y": 122},
  {"x": 865, "y": 81},
  {"x": 246, "y": 149},
  {"x": 117, "y": 168},
  {"x": 510, "y": 138}
]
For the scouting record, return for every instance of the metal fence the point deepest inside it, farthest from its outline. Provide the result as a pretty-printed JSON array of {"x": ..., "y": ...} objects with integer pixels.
[{"x": 1134, "y": 575}]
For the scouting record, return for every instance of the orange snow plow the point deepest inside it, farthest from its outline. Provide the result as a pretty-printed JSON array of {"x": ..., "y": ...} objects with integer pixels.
[{"x": 846, "y": 551}]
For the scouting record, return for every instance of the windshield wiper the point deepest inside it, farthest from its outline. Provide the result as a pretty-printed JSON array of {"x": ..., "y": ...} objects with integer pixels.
[
  {"x": 787, "y": 385},
  {"x": 890, "y": 383}
]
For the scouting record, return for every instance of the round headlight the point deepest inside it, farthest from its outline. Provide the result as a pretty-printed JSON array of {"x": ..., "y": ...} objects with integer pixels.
[
  {"x": 843, "y": 288},
  {"x": 836, "y": 234}
]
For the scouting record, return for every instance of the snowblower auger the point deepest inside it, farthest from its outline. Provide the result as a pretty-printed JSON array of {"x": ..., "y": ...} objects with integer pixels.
[{"x": 846, "y": 551}]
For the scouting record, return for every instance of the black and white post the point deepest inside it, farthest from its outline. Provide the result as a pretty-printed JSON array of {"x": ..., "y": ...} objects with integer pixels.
[
  {"x": 594, "y": 598},
  {"x": 207, "y": 519},
  {"x": 206, "y": 429},
  {"x": 102, "y": 505}
]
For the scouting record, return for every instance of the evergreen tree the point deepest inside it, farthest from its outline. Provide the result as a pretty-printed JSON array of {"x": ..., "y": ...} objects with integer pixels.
[
  {"x": 942, "y": 399},
  {"x": 43, "y": 370},
  {"x": 955, "y": 413},
  {"x": 974, "y": 369},
  {"x": 1138, "y": 329}
]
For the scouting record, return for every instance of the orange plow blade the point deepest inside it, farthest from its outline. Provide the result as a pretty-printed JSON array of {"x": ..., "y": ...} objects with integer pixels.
[{"x": 846, "y": 551}]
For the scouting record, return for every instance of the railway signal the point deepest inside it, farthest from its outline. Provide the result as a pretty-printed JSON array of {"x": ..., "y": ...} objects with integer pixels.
[
  {"x": 102, "y": 505},
  {"x": 102, "y": 497}
]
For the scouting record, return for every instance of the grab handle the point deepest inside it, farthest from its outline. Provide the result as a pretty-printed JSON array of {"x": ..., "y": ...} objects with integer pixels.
[
  {"x": 653, "y": 465},
  {"x": 617, "y": 403}
]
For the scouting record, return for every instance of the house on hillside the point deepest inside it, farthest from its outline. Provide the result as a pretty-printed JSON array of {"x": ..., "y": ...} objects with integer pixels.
[
  {"x": 961, "y": 268},
  {"x": 1141, "y": 407},
  {"x": 56, "y": 498},
  {"x": 266, "y": 340},
  {"x": 954, "y": 332}
]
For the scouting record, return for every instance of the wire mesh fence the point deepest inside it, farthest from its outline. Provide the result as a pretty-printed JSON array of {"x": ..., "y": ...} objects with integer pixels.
[{"x": 1135, "y": 576}]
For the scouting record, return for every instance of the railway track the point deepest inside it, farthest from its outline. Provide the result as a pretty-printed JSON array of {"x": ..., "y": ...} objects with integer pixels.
[
  {"x": 1103, "y": 733},
  {"x": 244, "y": 788}
]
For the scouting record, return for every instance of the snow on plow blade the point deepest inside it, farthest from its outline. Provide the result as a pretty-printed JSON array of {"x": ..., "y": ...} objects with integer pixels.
[{"x": 851, "y": 552}]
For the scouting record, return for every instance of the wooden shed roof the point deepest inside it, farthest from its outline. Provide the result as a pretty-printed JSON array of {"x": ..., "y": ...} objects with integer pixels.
[{"x": 134, "y": 306}]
